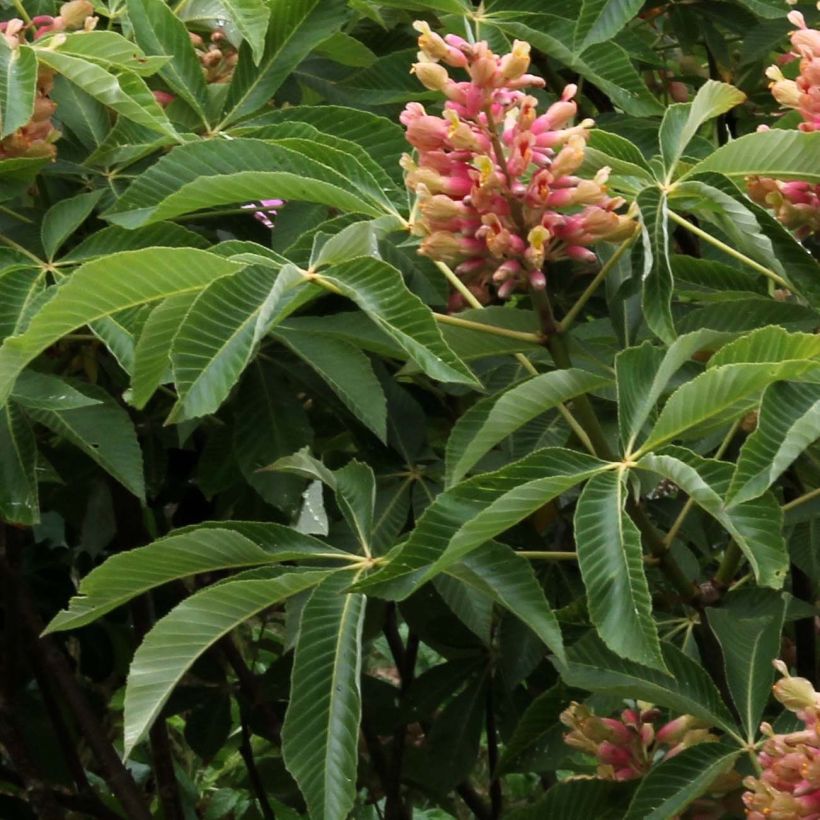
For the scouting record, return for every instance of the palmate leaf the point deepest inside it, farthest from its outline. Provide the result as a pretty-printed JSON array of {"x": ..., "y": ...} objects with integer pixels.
[
  {"x": 187, "y": 631},
  {"x": 19, "y": 499},
  {"x": 475, "y": 511},
  {"x": 18, "y": 86},
  {"x": 673, "y": 784},
  {"x": 749, "y": 646},
  {"x": 755, "y": 525},
  {"x": 685, "y": 689},
  {"x": 610, "y": 557},
  {"x": 379, "y": 290},
  {"x": 320, "y": 735},
  {"x": 102, "y": 287},
  {"x": 295, "y": 28},
  {"x": 495, "y": 570},
  {"x": 779, "y": 153},
  {"x": 682, "y": 121},
  {"x": 187, "y": 552},
  {"x": 513, "y": 410},
  {"x": 221, "y": 172},
  {"x": 788, "y": 422},
  {"x": 103, "y": 431}
]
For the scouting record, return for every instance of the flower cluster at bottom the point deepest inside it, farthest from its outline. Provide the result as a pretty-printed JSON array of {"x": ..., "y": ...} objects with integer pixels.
[
  {"x": 789, "y": 785},
  {"x": 497, "y": 185}
]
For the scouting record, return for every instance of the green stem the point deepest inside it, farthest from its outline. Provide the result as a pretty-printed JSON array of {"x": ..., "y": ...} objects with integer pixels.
[
  {"x": 741, "y": 257},
  {"x": 456, "y": 321},
  {"x": 572, "y": 313},
  {"x": 15, "y": 215},
  {"x": 20, "y": 249},
  {"x": 802, "y": 499},
  {"x": 541, "y": 555},
  {"x": 728, "y": 565},
  {"x": 21, "y": 10}
]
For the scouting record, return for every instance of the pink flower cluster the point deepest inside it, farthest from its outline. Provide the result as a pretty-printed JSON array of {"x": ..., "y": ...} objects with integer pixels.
[
  {"x": 789, "y": 785},
  {"x": 265, "y": 209},
  {"x": 218, "y": 57},
  {"x": 628, "y": 746},
  {"x": 496, "y": 183},
  {"x": 75, "y": 14},
  {"x": 796, "y": 204}
]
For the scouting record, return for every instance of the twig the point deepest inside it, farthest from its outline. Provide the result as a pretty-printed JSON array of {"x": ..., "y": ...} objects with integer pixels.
[
  {"x": 496, "y": 795},
  {"x": 495, "y": 330},
  {"x": 246, "y": 750}
]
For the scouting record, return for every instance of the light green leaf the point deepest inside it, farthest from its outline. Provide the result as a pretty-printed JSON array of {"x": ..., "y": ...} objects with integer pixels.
[
  {"x": 658, "y": 280},
  {"x": 610, "y": 557},
  {"x": 686, "y": 689},
  {"x": 475, "y": 511},
  {"x": 674, "y": 783},
  {"x": 18, "y": 86},
  {"x": 320, "y": 736},
  {"x": 755, "y": 525},
  {"x": 104, "y": 286},
  {"x": 20, "y": 285},
  {"x": 220, "y": 172},
  {"x": 347, "y": 371},
  {"x": 295, "y": 28},
  {"x": 497, "y": 571},
  {"x": 63, "y": 218},
  {"x": 779, "y": 153},
  {"x": 601, "y": 20},
  {"x": 187, "y": 631},
  {"x": 749, "y": 646},
  {"x": 19, "y": 503},
  {"x": 682, "y": 121},
  {"x": 516, "y": 407},
  {"x": 108, "y": 49},
  {"x": 378, "y": 289},
  {"x": 104, "y": 432},
  {"x": 769, "y": 344},
  {"x": 194, "y": 550},
  {"x": 788, "y": 422},
  {"x": 159, "y": 31},
  {"x": 124, "y": 92}
]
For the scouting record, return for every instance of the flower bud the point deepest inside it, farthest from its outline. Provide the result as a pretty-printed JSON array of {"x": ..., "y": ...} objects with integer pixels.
[
  {"x": 516, "y": 63},
  {"x": 795, "y": 693},
  {"x": 431, "y": 75},
  {"x": 74, "y": 13}
]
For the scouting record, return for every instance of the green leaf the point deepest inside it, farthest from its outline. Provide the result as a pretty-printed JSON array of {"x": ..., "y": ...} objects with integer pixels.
[
  {"x": 320, "y": 736},
  {"x": 104, "y": 432},
  {"x": 642, "y": 373},
  {"x": 108, "y": 49},
  {"x": 347, "y": 371},
  {"x": 20, "y": 286},
  {"x": 251, "y": 18},
  {"x": 42, "y": 391},
  {"x": 475, "y": 511},
  {"x": 195, "y": 550},
  {"x": 124, "y": 92},
  {"x": 63, "y": 218},
  {"x": 189, "y": 629},
  {"x": 749, "y": 646},
  {"x": 788, "y": 422},
  {"x": 617, "y": 153},
  {"x": 115, "y": 239},
  {"x": 610, "y": 557},
  {"x": 516, "y": 407},
  {"x": 601, "y": 20},
  {"x": 577, "y": 800},
  {"x": 682, "y": 121},
  {"x": 755, "y": 525},
  {"x": 673, "y": 784},
  {"x": 378, "y": 289},
  {"x": 19, "y": 502},
  {"x": 104, "y": 286},
  {"x": 219, "y": 172},
  {"x": 295, "y": 28},
  {"x": 18, "y": 86},
  {"x": 159, "y": 31},
  {"x": 658, "y": 280},
  {"x": 685, "y": 689},
  {"x": 769, "y": 345},
  {"x": 779, "y": 153},
  {"x": 495, "y": 570}
]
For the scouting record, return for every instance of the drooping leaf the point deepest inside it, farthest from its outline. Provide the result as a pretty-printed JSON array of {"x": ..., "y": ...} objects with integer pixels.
[
  {"x": 189, "y": 629},
  {"x": 18, "y": 86},
  {"x": 610, "y": 557},
  {"x": 43, "y": 391},
  {"x": 102, "y": 287},
  {"x": 320, "y": 735},
  {"x": 658, "y": 279},
  {"x": 63, "y": 218},
  {"x": 19, "y": 499}
]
